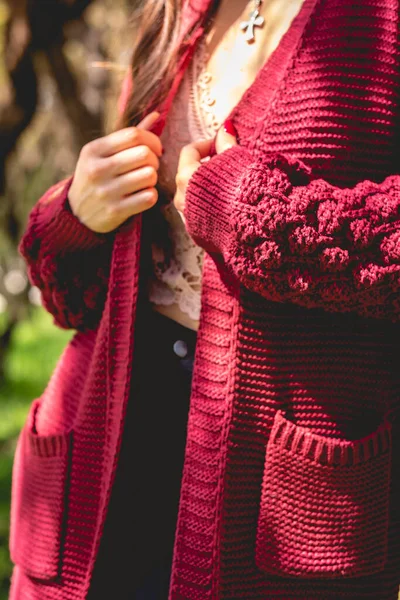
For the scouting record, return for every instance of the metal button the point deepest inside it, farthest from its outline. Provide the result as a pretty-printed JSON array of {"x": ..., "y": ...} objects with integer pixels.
[{"x": 181, "y": 349}]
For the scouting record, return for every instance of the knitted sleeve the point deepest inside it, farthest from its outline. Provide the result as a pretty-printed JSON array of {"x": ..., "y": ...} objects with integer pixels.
[
  {"x": 291, "y": 239},
  {"x": 68, "y": 262}
]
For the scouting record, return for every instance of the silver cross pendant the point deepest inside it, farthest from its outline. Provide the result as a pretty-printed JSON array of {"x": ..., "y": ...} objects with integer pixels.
[{"x": 255, "y": 20}]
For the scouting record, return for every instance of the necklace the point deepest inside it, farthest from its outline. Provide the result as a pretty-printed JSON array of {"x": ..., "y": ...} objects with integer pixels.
[
  {"x": 202, "y": 101},
  {"x": 255, "y": 20}
]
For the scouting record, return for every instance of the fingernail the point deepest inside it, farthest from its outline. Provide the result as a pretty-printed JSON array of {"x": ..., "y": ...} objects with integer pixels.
[{"x": 230, "y": 128}]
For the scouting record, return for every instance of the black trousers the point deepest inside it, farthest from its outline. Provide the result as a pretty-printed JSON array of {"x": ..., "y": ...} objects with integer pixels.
[{"x": 134, "y": 560}]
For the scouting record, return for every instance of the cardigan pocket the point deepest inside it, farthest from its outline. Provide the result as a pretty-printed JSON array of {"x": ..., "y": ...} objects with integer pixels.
[
  {"x": 39, "y": 507},
  {"x": 325, "y": 504}
]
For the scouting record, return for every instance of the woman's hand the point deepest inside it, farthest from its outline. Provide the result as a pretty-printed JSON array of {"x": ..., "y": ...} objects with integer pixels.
[
  {"x": 192, "y": 155},
  {"x": 115, "y": 177}
]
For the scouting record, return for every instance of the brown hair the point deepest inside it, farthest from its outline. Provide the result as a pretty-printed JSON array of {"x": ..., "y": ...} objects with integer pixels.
[{"x": 156, "y": 28}]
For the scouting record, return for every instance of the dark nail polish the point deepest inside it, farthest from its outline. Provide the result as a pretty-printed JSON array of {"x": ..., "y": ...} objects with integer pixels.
[{"x": 230, "y": 128}]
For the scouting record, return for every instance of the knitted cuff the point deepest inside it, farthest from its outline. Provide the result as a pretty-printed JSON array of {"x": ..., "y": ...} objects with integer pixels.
[
  {"x": 58, "y": 227},
  {"x": 209, "y": 198}
]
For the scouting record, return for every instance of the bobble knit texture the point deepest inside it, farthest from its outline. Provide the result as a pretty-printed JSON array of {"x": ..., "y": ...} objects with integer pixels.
[
  {"x": 290, "y": 487},
  {"x": 73, "y": 284},
  {"x": 315, "y": 245}
]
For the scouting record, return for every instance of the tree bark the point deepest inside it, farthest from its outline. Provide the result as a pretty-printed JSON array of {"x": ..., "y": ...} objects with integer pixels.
[
  {"x": 86, "y": 125},
  {"x": 36, "y": 26}
]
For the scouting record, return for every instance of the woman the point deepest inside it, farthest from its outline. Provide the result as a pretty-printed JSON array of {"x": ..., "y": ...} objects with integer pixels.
[{"x": 288, "y": 486}]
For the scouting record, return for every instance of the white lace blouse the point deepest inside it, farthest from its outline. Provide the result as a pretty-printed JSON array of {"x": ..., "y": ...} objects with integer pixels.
[{"x": 175, "y": 284}]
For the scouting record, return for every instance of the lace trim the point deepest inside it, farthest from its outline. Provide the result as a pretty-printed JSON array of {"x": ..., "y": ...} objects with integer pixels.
[
  {"x": 191, "y": 118},
  {"x": 202, "y": 102},
  {"x": 178, "y": 281}
]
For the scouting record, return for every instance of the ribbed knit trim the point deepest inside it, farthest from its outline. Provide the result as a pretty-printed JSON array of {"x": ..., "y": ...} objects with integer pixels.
[
  {"x": 208, "y": 198},
  {"x": 60, "y": 228},
  {"x": 271, "y": 78},
  {"x": 49, "y": 447},
  {"x": 328, "y": 451},
  {"x": 44, "y": 446}
]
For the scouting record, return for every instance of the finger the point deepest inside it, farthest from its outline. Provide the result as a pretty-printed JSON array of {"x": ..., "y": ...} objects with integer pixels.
[
  {"x": 149, "y": 120},
  {"x": 184, "y": 175},
  {"x": 124, "y": 139},
  {"x": 194, "y": 153},
  {"x": 224, "y": 141},
  {"x": 134, "y": 181},
  {"x": 131, "y": 159},
  {"x": 204, "y": 148},
  {"x": 179, "y": 201},
  {"x": 137, "y": 203}
]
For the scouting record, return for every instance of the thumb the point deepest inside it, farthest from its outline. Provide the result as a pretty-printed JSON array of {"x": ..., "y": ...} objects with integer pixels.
[
  {"x": 149, "y": 120},
  {"x": 226, "y": 137}
]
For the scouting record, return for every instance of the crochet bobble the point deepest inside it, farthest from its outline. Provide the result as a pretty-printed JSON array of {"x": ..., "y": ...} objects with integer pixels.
[{"x": 316, "y": 244}]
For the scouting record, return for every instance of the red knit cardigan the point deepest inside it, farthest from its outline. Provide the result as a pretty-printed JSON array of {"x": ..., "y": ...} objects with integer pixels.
[{"x": 293, "y": 435}]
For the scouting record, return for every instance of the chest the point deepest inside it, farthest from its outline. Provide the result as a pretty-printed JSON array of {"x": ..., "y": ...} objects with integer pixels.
[
  {"x": 329, "y": 94},
  {"x": 231, "y": 61}
]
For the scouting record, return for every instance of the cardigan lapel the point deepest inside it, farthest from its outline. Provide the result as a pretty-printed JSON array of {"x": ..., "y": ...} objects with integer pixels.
[
  {"x": 193, "y": 12},
  {"x": 271, "y": 76},
  {"x": 124, "y": 276}
]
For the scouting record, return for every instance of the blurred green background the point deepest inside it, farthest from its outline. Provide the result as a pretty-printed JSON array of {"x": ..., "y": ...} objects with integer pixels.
[
  {"x": 61, "y": 65},
  {"x": 34, "y": 349}
]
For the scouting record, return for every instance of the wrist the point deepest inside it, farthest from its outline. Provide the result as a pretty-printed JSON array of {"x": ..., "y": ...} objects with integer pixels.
[{"x": 211, "y": 192}]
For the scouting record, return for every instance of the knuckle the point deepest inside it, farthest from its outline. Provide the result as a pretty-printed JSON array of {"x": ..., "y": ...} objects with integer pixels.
[
  {"x": 103, "y": 196},
  {"x": 145, "y": 200},
  {"x": 152, "y": 197},
  {"x": 85, "y": 151},
  {"x": 151, "y": 176},
  {"x": 112, "y": 212},
  {"x": 179, "y": 179},
  {"x": 93, "y": 170},
  {"x": 134, "y": 136},
  {"x": 144, "y": 152},
  {"x": 90, "y": 149},
  {"x": 110, "y": 164},
  {"x": 157, "y": 163}
]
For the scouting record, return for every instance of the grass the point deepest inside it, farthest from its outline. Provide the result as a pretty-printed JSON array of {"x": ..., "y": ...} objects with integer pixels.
[{"x": 35, "y": 348}]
